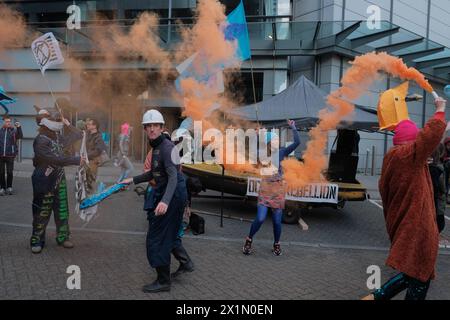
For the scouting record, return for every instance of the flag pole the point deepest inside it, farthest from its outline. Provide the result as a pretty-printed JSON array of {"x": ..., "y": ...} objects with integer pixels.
[
  {"x": 254, "y": 91},
  {"x": 51, "y": 92}
]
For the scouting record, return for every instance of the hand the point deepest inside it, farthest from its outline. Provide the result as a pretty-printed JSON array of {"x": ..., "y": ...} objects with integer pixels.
[
  {"x": 187, "y": 212},
  {"x": 291, "y": 123},
  {"x": 127, "y": 181},
  {"x": 440, "y": 104},
  {"x": 66, "y": 122},
  {"x": 83, "y": 161},
  {"x": 161, "y": 209},
  {"x": 17, "y": 124}
]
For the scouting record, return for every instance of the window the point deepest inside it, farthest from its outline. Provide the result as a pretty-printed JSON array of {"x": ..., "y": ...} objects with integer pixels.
[
  {"x": 106, "y": 14},
  {"x": 132, "y": 14},
  {"x": 52, "y": 19},
  {"x": 240, "y": 86},
  {"x": 185, "y": 15}
]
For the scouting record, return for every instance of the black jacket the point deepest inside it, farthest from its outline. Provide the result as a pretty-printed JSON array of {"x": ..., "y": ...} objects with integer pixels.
[
  {"x": 49, "y": 159},
  {"x": 165, "y": 172},
  {"x": 48, "y": 148},
  {"x": 8, "y": 141}
]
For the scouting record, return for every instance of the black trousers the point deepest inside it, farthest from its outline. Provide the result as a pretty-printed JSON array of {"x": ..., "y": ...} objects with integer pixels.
[
  {"x": 43, "y": 206},
  {"x": 8, "y": 163},
  {"x": 163, "y": 231},
  {"x": 440, "y": 219}
]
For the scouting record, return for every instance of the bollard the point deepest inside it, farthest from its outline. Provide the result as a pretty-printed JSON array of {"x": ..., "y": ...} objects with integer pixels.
[
  {"x": 19, "y": 151},
  {"x": 367, "y": 162},
  {"x": 373, "y": 161}
]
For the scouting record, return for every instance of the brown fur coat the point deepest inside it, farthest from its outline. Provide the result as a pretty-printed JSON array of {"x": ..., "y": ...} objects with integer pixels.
[{"x": 409, "y": 210}]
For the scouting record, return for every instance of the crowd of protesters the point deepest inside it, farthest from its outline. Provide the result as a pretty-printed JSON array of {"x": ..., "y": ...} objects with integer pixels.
[{"x": 419, "y": 156}]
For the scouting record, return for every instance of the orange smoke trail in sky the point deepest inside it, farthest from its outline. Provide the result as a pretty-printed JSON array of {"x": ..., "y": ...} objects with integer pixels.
[
  {"x": 356, "y": 81},
  {"x": 12, "y": 27},
  {"x": 206, "y": 38}
]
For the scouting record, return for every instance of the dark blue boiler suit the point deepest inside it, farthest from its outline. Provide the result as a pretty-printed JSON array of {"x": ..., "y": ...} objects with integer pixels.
[{"x": 171, "y": 189}]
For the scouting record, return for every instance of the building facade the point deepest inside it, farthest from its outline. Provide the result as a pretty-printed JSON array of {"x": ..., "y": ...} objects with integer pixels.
[{"x": 316, "y": 38}]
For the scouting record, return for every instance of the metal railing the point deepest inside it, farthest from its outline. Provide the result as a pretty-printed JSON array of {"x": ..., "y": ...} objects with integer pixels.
[{"x": 373, "y": 158}]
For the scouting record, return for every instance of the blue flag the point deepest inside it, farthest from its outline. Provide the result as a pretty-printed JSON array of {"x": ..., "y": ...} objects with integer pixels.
[
  {"x": 237, "y": 30},
  {"x": 211, "y": 76},
  {"x": 4, "y": 99}
]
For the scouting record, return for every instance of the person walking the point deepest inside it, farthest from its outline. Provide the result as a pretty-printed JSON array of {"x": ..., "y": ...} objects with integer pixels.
[
  {"x": 165, "y": 206},
  {"x": 9, "y": 135},
  {"x": 406, "y": 190},
  {"x": 178, "y": 251}
]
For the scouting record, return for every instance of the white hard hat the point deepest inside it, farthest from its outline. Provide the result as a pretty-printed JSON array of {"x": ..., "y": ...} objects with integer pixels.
[{"x": 152, "y": 116}]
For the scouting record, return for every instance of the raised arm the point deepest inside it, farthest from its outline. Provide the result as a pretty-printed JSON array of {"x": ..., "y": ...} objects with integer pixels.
[
  {"x": 430, "y": 136},
  {"x": 71, "y": 134},
  {"x": 19, "y": 134},
  {"x": 296, "y": 142}
]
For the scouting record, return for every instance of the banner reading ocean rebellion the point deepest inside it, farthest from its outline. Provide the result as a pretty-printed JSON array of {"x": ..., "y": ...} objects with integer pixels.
[{"x": 313, "y": 192}]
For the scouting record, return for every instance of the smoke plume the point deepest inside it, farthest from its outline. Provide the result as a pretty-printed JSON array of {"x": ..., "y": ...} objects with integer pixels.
[{"x": 355, "y": 83}]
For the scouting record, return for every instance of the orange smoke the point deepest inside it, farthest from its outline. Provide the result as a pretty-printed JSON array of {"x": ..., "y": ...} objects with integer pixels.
[
  {"x": 206, "y": 38},
  {"x": 356, "y": 81},
  {"x": 12, "y": 28},
  {"x": 141, "y": 41},
  {"x": 207, "y": 35}
]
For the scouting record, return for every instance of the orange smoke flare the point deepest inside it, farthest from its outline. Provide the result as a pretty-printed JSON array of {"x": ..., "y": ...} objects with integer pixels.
[
  {"x": 356, "y": 81},
  {"x": 12, "y": 28}
]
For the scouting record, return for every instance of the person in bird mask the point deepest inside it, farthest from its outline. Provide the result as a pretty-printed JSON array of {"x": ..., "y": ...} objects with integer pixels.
[
  {"x": 48, "y": 178},
  {"x": 408, "y": 203},
  {"x": 166, "y": 203}
]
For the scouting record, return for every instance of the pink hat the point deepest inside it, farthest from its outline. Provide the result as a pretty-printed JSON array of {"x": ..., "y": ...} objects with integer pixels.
[
  {"x": 406, "y": 131},
  {"x": 124, "y": 128}
]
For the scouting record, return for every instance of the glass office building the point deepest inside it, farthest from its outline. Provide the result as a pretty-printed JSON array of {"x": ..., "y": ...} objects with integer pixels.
[{"x": 288, "y": 38}]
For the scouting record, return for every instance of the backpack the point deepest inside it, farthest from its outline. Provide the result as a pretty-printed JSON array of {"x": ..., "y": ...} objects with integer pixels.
[
  {"x": 194, "y": 185},
  {"x": 197, "y": 224}
]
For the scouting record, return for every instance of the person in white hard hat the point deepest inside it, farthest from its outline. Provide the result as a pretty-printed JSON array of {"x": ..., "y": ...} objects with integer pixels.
[{"x": 165, "y": 205}]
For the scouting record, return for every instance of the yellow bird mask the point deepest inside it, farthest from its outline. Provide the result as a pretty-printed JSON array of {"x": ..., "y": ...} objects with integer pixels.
[{"x": 392, "y": 107}]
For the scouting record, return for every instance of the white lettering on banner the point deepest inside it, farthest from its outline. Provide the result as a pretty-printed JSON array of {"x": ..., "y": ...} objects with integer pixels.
[
  {"x": 253, "y": 186},
  {"x": 314, "y": 192}
]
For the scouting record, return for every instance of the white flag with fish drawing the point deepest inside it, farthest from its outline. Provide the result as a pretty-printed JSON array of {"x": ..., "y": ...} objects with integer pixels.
[{"x": 46, "y": 51}]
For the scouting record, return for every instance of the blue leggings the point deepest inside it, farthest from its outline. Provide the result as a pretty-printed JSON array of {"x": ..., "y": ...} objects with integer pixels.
[{"x": 261, "y": 216}]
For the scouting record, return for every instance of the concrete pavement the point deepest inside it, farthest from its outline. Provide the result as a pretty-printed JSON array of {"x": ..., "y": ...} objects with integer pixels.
[{"x": 329, "y": 261}]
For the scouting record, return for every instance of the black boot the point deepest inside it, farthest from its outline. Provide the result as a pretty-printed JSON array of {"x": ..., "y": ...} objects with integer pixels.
[
  {"x": 162, "y": 283},
  {"x": 185, "y": 261}
]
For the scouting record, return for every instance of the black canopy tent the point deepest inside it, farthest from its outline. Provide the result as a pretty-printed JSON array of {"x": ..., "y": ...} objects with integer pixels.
[{"x": 302, "y": 102}]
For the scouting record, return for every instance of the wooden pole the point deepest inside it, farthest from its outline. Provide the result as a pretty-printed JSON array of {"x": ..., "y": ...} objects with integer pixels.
[{"x": 254, "y": 90}]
